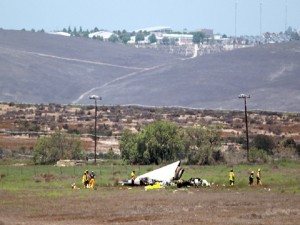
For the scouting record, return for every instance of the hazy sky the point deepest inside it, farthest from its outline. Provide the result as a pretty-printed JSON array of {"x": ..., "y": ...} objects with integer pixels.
[{"x": 218, "y": 15}]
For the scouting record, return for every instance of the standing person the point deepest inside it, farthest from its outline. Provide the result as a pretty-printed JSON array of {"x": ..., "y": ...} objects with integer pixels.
[
  {"x": 88, "y": 179},
  {"x": 251, "y": 178},
  {"x": 85, "y": 180},
  {"x": 258, "y": 177},
  {"x": 231, "y": 178},
  {"x": 132, "y": 177},
  {"x": 92, "y": 180}
]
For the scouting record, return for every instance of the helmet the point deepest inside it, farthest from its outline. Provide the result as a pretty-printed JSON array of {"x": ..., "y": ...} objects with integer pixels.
[
  {"x": 258, "y": 170},
  {"x": 252, "y": 171}
]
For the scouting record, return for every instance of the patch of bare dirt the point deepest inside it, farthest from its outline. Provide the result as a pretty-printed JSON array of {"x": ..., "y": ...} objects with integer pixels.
[{"x": 136, "y": 206}]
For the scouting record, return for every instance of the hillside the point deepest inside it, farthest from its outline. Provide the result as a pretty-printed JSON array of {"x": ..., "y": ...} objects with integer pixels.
[
  {"x": 43, "y": 68},
  {"x": 21, "y": 125}
]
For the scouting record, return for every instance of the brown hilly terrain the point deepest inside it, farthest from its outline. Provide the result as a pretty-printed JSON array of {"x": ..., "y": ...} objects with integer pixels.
[{"x": 44, "y": 68}]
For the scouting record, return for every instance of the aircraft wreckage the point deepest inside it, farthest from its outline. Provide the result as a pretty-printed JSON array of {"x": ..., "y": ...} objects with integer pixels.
[{"x": 166, "y": 175}]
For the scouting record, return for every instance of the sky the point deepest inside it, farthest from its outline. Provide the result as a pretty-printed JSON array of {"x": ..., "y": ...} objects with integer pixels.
[{"x": 230, "y": 17}]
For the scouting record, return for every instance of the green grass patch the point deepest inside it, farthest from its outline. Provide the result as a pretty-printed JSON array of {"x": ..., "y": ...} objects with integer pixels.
[{"x": 53, "y": 182}]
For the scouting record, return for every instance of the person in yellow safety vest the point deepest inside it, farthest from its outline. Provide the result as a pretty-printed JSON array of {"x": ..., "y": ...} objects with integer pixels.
[
  {"x": 86, "y": 179},
  {"x": 231, "y": 178},
  {"x": 132, "y": 177},
  {"x": 258, "y": 177},
  {"x": 92, "y": 180}
]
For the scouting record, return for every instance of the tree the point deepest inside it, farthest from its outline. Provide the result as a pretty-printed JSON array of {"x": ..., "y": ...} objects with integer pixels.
[
  {"x": 110, "y": 153},
  {"x": 295, "y": 36},
  {"x": 198, "y": 37},
  {"x": 128, "y": 146},
  {"x": 166, "y": 41},
  {"x": 201, "y": 145},
  {"x": 159, "y": 141},
  {"x": 289, "y": 143},
  {"x": 258, "y": 155},
  {"x": 289, "y": 30},
  {"x": 298, "y": 149},
  {"x": 162, "y": 141},
  {"x": 139, "y": 37},
  {"x": 152, "y": 38},
  {"x": 113, "y": 38},
  {"x": 48, "y": 150},
  {"x": 124, "y": 36},
  {"x": 74, "y": 33},
  {"x": 263, "y": 142}
]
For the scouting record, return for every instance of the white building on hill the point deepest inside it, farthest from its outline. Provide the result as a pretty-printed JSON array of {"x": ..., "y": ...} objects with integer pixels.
[
  {"x": 104, "y": 34},
  {"x": 61, "y": 33},
  {"x": 164, "y": 29}
]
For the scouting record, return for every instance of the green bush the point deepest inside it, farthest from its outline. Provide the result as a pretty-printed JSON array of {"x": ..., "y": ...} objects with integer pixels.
[
  {"x": 258, "y": 155},
  {"x": 263, "y": 142},
  {"x": 48, "y": 150},
  {"x": 298, "y": 149}
]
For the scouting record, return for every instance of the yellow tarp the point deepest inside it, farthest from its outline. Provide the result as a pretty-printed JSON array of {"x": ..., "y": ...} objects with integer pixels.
[{"x": 154, "y": 186}]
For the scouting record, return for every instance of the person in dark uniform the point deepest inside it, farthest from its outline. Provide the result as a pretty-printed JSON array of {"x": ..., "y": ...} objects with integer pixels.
[{"x": 251, "y": 178}]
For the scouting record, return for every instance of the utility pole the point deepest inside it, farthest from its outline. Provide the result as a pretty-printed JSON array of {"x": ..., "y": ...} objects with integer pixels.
[
  {"x": 95, "y": 97},
  {"x": 260, "y": 17},
  {"x": 246, "y": 121},
  {"x": 286, "y": 16},
  {"x": 235, "y": 19}
]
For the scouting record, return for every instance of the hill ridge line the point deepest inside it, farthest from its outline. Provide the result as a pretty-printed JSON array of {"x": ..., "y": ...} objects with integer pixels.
[{"x": 76, "y": 60}]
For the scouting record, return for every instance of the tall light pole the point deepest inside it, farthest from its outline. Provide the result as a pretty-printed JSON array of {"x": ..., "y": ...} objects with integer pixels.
[
  {"x": 246, "y": 121},
  {"x": 95, "y": 97}
]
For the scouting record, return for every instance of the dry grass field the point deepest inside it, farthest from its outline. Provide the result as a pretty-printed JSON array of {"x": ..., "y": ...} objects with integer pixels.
[
  {"x": 136, "y": 206},
  {"x": 34, "y": 195}
]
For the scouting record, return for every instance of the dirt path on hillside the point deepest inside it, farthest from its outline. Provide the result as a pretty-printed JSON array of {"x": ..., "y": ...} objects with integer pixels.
[
  {"x": 136, "y": 206},
  {"x": 88, "y": 92}
]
